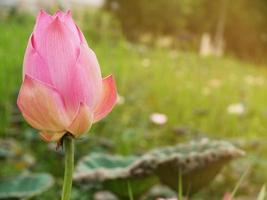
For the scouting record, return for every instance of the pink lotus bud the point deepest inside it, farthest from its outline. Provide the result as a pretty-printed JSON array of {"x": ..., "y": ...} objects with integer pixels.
[{"x": 62, "y": 90}]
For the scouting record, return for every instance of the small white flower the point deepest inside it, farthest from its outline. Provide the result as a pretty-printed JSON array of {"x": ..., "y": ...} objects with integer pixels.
[
  {"x": 158, "y": 118},
  {"x": 236, "y": 109}
]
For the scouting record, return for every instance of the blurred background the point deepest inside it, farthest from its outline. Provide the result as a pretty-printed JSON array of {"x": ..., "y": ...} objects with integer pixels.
[{"x": 184, "y": 69}]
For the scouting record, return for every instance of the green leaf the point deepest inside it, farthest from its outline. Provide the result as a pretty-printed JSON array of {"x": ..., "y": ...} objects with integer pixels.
[
  {"x": 114, "y": 173},
  {"x": 198, "y": 163},
  {"x": 25, "y": 186}
]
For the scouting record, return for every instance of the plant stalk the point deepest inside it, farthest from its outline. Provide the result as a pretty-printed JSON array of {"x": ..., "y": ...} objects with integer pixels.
[{"x": 68, "y": 143}]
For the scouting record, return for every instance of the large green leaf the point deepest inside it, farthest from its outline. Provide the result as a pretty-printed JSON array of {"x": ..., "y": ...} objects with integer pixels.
[
  {"x": 116, "y": 173},
  {"x": 25, "y": 186},
  {"x": 197, "y": 163}
]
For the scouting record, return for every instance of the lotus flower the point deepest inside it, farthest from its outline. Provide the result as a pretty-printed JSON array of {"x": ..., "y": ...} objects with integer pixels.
[{"x": 62, "y": 90}]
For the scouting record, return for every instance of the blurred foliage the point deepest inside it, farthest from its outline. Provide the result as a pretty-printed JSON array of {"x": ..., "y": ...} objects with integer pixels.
[
  {"x": 15, "y": 30},
  {"x": 149, "y": 80},
  {"x": 245, "y": 30},
  {"x": 25, "y": 186},
  {"x": 101, "y": 26},
  {"x": 159, "y": 17}
]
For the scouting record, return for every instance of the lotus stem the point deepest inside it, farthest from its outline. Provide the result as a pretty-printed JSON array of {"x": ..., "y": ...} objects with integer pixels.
[{"x": 68, "y": 143}]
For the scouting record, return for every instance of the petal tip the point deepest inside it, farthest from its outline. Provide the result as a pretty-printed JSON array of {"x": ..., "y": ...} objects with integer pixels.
[
  {"x": 57, "y": 19},
  {"x": 69, "y": 13},
  {"x": 82, "y": 121},
  {"x": 56, "y": 24},
  {"x": 59, "y": 24},
  {"x": 110, "y": 78},
  {"x": 42, "y": 12},
  {"x": 111, "y": 83},
  {"x": 59, "y": 13},
  {"x": 27, "y": 79}
]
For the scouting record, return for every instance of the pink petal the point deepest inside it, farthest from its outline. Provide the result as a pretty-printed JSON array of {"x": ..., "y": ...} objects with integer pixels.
[
  {"x": 82, "y": 121},
  {"x": 84, "y": 83},
  {"x": 68, "y": 21},
  {"x": 88, "y": 78},
  {"x": 108, "y": 100},
  {"x": 34, "y": 65},
  {"x": 59, "y": 48},
  {"x": 81, "y": 36},
  {"x": 59, "y": 13},
  {"x": 42, "y": 21},
  {"x": 41, "y": 106},
  {"x": 54, "y": 136}
]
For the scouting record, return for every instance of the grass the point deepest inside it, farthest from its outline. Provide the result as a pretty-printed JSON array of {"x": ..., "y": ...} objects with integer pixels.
[
  {"x": 13, "y": 40},
  {"x": 194, "y": 92},
  {"x": 233, "y": 194}
]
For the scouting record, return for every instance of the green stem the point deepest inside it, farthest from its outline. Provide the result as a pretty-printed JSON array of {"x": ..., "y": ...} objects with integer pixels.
[{"x": 68, "y": 143}]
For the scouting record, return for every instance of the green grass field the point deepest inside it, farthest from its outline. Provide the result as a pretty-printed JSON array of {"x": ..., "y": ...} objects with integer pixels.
[{"x": 193, "y": 92}]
